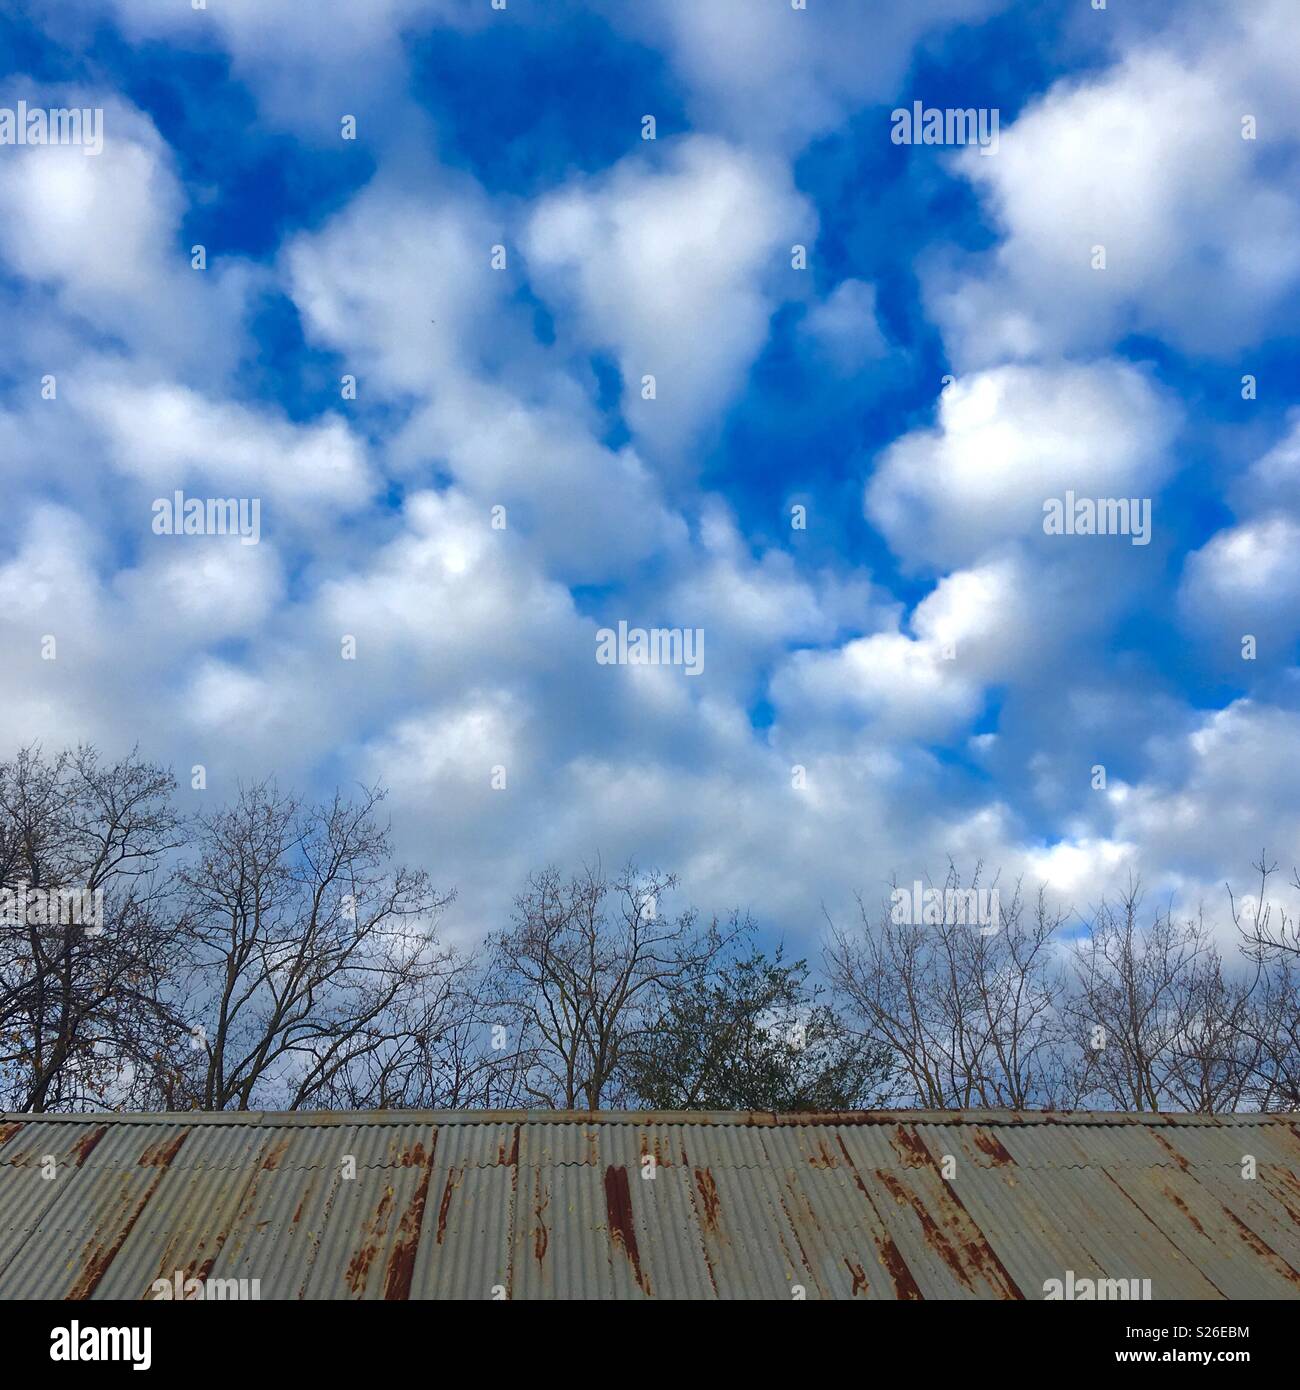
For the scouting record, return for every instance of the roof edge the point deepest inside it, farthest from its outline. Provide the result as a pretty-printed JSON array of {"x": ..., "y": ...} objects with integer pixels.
[{"x": 733, "y": 1118}]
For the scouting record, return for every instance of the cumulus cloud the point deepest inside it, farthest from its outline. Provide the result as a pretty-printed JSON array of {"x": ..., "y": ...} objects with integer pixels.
[
  {"x": 1218, "y": 792},
  {"x": 474, "y": 642},
  {"x": 1244, "y": 581},
  {"x": 169, "y": 436},
  {"x": 308, "y": 65},
  {"x": 404, "y": 288},
  {"x": 844, "y": 328},
  {"x": 1007, "y": 440},
  {"x": 822, "y": 60},
  {"x": 1148, "y": 161},
  {"x": 100, "y": 233},
  {"x": 217, "y": 587},
  {"x": 905, "y": 688},
  {"x": 676, "y": 267},
  {"x": 976, "y": 629},
  {"x": 402, "y": 285}
]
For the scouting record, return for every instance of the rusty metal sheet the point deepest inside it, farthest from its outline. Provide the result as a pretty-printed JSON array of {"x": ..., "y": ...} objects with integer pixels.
[{"x": 550, "y": 1205}]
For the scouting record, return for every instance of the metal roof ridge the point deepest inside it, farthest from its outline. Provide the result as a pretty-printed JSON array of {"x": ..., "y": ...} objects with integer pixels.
[{"x": 719, "y": 1118}]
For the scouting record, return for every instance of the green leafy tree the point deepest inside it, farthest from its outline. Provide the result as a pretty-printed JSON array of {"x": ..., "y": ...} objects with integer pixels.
[{"x": 753, "y": 1033}]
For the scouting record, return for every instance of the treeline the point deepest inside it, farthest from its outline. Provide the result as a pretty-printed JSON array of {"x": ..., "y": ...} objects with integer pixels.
[{"x": 272, "y": 955}]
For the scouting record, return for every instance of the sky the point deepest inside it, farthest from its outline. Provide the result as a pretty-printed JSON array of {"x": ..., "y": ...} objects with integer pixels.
[{"x": 501, "y": 373}]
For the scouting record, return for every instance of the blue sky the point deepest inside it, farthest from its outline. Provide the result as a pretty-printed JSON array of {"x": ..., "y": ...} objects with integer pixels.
[{"x": 947, "y": 676}]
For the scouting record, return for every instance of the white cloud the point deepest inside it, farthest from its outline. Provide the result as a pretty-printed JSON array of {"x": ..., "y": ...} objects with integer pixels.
[
  {"x": 308, "y": 64},
  {"x": 101, "y": 233},
  {"x": 1009, "y": 439},
  {"x": 473, "y": 651},
  {"x": 768, "y": 73},
  {"x": 448, "y": 601},
  {"x": 844, "y": 327},
  {"x": 904, "y": 688},
  {"x": 455, "y": 750},
  {"x": 1244, "y": 581},
  {"x": 171, "y": 437},
  {"x": 211, "y": 587},
  {"x": 402, "y": 286},
  {"x": 592, "y": 512},
  {"x": 987, "y": 616},
  {"x": 1201, "y": 228},
  {"x": 751, "y": 605},
  {"x": 1218, "y": 793},
  {"x": 677, "y": 266},
  {"x": 1273, "y": 481},
  {"x": 404, "y": 289}
]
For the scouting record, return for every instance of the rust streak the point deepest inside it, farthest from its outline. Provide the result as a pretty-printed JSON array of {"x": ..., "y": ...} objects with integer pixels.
[
  {"x": 1169, "y": 1149},
  {"x": 905, "y": 1287},
  {"x": 9, "y": 1129},
  {"x": 908, "y": 1146},
  {"x": 274, "y": 1154},
  {"x": 988, "y": 1143},
  {"x": 859, "y": 1276},
  {"x": 618, "y": 1208},
  {"x": 704, "y": 1180},
  {"x": 453, "y": 1182},
  {"x": 95, "y": 1259},
  {"x": 965, "y": 1238},
  {"x": 981, "y": 1253},
  {"x": 1262, "y": 1249},
  {"x": 823, "y": 1158},
  {"x": 302, "y": 1202},
  {"x": 890, "y": 1256},
  {"x": 512, "y": 1158},
  {"x": 1280, "y": 1185},
  {"x": 235, "y": 1227},
  {"x": 358, "y": 1270},
  {"x": 1146, "y": 1216},
  {"x": 541, "y": 1237},
  {"x": 84, "y": 1146},
  {"x": 704, "y": 1245},
  {"x": 803, "y": 1254},
  {"x": 1183, "y": 1207},
  {"x": 660, "y": 1151},
  {"x": 401, "y": 1262},
  {"x": 160, "y": 1154},
  {"x": 414, "y": 1157}
]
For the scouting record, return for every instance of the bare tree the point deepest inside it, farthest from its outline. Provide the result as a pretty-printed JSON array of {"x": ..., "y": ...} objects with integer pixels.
[
  {"x": 1156, "y": 1022},
  {"x": 581, "y": 971},
  {"x": 81, "y": 1012},
  {"x": 1270, "y": 941},
  {"x": 439, "y": 1054},
  {"x": 967, "y": 1007},
  {"x": 310, "y": 959}
]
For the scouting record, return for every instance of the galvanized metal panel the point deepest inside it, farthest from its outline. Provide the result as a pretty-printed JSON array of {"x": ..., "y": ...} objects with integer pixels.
[{"x": 549, "y": 1205}]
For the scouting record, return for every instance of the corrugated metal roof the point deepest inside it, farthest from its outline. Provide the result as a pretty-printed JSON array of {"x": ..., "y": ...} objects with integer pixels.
[{"x": 545, "y": 1204}]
